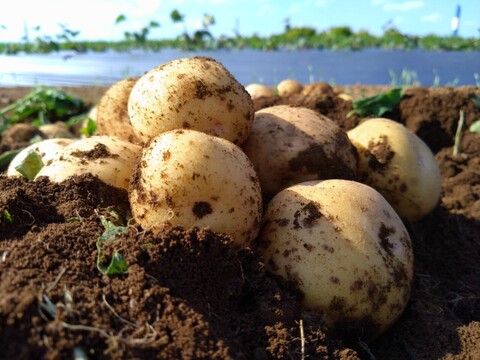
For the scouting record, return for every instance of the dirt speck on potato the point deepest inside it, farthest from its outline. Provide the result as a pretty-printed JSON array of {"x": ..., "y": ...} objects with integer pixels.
[
  {"x": 379, "y": 153},
  {"x": 384, "y": 234},
  {"x": 311, "y": 212},
  {"x": 99, "y": 151},
  {"x": 201, "y": 209}
]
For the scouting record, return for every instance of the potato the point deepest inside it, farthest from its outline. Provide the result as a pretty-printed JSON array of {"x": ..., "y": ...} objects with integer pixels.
[
  {"x": 189, "y": 178},
  {"x": 111, "y": 114},
  {"x": 399, "y": 165},
  {"x": 46, "y": 149},
  {"x": 345, "y": 248},
  {"x": 289, "y": 87},
  {"x": 56, "y": 130},
  {"x": 258, "y": 90},
  {"x": 288, "y": 145},
  {"x": 195, "y": 93},
  {"x": 108, "y": 157}
]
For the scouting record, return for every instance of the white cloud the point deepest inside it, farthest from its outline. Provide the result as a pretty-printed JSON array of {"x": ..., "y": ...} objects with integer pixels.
[
  {"x": 433, "y": 17},
  {"x": 398, "y": 6}
]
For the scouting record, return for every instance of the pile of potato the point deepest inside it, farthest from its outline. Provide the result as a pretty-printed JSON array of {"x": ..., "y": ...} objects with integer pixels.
[{"x": 325, "y": 207}]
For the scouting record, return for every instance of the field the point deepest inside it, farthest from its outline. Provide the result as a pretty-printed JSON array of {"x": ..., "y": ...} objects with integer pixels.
[{"x": 189, "y": 293}]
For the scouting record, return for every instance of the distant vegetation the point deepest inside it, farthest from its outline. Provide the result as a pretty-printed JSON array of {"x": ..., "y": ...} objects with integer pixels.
[{"x": 292, "y": 38}]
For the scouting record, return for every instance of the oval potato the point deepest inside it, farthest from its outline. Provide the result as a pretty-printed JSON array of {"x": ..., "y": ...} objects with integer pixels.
[
  {"x": 195, "y": 93},
  {"x": 346, "y": 249},
  {"x": 189, "y": 178},
  {"x": 398, "y": 164}
]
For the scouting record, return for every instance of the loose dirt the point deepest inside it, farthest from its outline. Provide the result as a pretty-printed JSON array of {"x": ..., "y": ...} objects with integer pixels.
[{"x": 190, "y": 293}]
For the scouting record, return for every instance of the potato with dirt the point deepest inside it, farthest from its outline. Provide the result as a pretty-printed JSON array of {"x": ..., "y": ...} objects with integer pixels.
[
  {"x": 288, "y": 145},
  {"x": 111, "y": 113},
  {"x": 195, "y": 93},
  {"x": 189, "y": 178},
  {"x": 398, "y": 164},
  {"x": 108, "y": 157},
  {"x": 345, "y": 248}
]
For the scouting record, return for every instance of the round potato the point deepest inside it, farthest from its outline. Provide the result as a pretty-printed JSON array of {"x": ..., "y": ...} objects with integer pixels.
[
  {"x": 56, "y": 130},
  {"x": 346, "y": 249},
  {"x": 289, "y": 87},
  {"x": 288, "y": 145},
  {"x": 399, "y": 165},
  {"x": 189, "y": 178},
  {"x": 258, "y": 90},
  {"x": 108, "y": 157},
  {"x": 195, "y": 93},
  {"x": 111, "y": 114},
  {"x": 46, "y": 149}
]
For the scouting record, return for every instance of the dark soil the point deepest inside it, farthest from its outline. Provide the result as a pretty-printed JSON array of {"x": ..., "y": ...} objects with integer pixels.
[{"x": 192, "y": 294}]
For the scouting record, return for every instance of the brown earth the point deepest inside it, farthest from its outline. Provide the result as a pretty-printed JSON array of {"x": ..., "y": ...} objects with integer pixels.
[{"x": 192, "y": 294}]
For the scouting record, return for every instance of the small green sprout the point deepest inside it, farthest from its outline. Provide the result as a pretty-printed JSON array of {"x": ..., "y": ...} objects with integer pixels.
[
  {"x": 117, "y": 264},
  {"x": 7, "y": 216},
  {"x": 377, "y": 105}
]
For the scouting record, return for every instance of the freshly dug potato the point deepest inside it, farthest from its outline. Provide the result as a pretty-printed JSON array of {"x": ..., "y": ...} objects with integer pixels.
[
  {"x": 108, "y": 157},
  {"x": 345, "y": 248},
  {"x": 259, "y": 90},
  {"x": 111, "y": 113},
  {"x": 289, "y": 87},
  {"x": 189, "y": 178},
  {"x": 399, "y": 165},
  {"x": 288, "y": 145},
  {"x": 195, "y": 93},
  {"x": 56, "y": 130},
  {"x": 46, "y": 149}
]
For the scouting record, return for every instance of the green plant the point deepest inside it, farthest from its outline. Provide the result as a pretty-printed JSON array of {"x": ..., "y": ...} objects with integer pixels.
[
  {"x": 42, "y": 105},
  {"x": 138, "y": 38},
  {"x": 117, "y": 264},
  {"x": 377, "y": 105}
]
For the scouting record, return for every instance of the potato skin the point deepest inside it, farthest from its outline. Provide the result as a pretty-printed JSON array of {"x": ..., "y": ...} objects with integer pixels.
[
  {"x": 288, "y": 145},
  {"x": 289, "y": 87},
  {"x": 189, "y": 178},
  {"x": 195, "y": 93},
  {"x": 259, "y": 90},
  {"x": 111, "y": 113},
  {"x": 108, "y": 157},
  {"x": 346, "y": 249},
  {"x": 399, "y": 165}
]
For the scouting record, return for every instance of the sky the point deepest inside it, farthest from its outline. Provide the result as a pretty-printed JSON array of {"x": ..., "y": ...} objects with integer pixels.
[{"x": 95, "y": 19}]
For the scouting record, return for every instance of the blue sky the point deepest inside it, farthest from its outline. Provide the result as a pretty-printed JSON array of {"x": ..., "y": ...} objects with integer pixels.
[{"x": 95, "y": 18}]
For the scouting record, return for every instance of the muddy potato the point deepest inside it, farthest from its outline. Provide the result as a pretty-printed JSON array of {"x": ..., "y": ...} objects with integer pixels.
[
  {"x": 108, "y": 157},
  {"x": 189, "y": 178},
  {"x": 399, "y": 165},
  {"x": 111, "y": 114},
  {"x": 195, "y": 93},
  {"x": 288, "y": 145},
  {"x": 258, "y": 90},
  {"x": 346, "y": 249},
  {"x": 289, "y": 87},
  {"x": 46, "y": 149}
]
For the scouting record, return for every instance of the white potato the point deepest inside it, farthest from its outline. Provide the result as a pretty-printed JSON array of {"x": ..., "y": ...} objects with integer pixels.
[
  {"x": 346, "y": 249},
  {"x": 195, "y": 93},
  {"x": 108, "y": 157},
  {"x": 258, "y": 90},
  {"x": 288, "y": 145},
  {"x": 46, "y": 149},
  {"x": 399, "y": 165},
  {"x": 56, "y": 130},
  {"x": 111, "y": 114},
  {"x": 189, "y": 178},
  {"x": 289, "y": 87}
]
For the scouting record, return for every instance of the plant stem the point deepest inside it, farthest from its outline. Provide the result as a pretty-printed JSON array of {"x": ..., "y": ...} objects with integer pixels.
[{"x": 458, "y": 134}]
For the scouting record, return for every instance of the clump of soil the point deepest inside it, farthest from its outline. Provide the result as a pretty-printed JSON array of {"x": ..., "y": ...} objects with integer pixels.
[{"x": 190, "y": 293}]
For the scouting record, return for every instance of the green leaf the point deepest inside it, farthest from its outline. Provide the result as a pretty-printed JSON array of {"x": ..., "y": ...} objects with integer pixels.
[
  {"x": 7, "y": 216},
  {"x": 31, "y": 165},
  {"x": 154, "y": 24},
  {"x": 377, "y": 105},
  {"x": 475, "y": 127},
  {"x": 176, "y": 16},
  {"x": 90, "y": 128},
  {"x": 120, "y": 18},
  {"x": 116, "y": 265}
]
